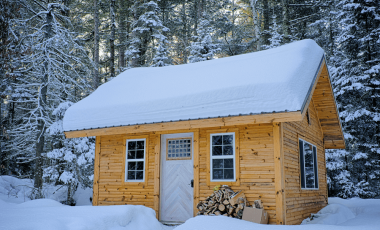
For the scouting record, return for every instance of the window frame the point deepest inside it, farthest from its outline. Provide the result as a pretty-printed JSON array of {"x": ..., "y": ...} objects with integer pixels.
[
  {"x": 233, "y": 157},
  {"x": 303, "y": 165},
  {"x": 134, "y": 160}
]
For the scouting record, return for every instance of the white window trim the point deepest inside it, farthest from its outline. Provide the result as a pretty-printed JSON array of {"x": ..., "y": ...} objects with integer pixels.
[
  {"x": 314, "y": 165},
  {"x": 134, "y": 160},
  {"x": 223, "y": 157}
]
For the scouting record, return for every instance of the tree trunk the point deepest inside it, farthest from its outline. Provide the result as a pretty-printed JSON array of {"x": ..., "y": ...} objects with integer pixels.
[
  {"x": 112, "y": 39},
  {"x": 285, "y": 21},
  {"x": 256, "y": 23},
  {"x": 135, "y": 60},
  {"x": 122, "y": 32},
  {"x": 96, "y": 44},
  {"x": 41, "y": 127},
  {"x": 265, "y": 37},
  {"x": 185, "y": 32}
]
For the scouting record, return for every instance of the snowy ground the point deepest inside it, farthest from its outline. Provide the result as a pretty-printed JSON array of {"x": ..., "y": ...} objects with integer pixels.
[{"x": 17, "y": 212}]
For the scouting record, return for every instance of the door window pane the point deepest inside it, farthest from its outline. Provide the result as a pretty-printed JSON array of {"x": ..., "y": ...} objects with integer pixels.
[{"x": 181, "y": 147}]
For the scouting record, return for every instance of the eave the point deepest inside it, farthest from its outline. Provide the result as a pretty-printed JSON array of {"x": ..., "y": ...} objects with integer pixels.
[
  {"x": 189, "y": 124},
  {"x": 325, "y": 104}
]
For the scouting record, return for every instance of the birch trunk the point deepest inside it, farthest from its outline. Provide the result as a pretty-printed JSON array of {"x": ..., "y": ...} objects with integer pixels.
[{"x": 256, "y": 23}]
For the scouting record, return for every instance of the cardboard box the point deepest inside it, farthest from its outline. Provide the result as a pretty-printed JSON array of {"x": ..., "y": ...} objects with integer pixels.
[{"x": 255, "y": 215}]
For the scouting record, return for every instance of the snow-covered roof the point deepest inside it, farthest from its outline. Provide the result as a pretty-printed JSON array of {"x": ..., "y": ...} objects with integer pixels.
[{"x": 274, "y": 80}]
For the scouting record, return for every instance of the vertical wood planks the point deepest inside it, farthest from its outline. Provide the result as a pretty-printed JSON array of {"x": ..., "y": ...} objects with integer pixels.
[
  {"x": 156, "y": 193},
  {"x": 301, "y": 202},
  {"x": 95, "y": 195},
  {"x": 196, "y": 170},
  {"x": 279, "y": 172}
]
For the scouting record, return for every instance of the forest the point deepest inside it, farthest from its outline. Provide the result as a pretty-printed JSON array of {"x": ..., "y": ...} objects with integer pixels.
[{"x": 54, "y": 53}]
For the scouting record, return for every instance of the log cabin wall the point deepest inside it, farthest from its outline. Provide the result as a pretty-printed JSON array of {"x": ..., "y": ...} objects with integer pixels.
[
  {"x": 255, "y": 170},
  {"x": 109, "y": 185},
  {"x": 255, "y": 174},
  {"x": 300, "y": 203}
]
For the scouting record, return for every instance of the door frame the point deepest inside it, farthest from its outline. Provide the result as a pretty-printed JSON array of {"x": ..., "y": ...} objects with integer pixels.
[{"x": 163, "y": 158}]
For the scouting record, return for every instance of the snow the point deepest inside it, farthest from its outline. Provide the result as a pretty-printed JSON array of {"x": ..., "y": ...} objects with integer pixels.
[
  {"x": 14, "y": 190},
  {"x": 351, "y": 214},
  {"x": 46, "y": 214},
  {"x": 18, "y": 212},
  {"x": 274, "y": 80}
]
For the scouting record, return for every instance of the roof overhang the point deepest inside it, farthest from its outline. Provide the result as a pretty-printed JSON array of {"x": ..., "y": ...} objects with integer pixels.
[
  {"x": 321, "y": 93},
  {"x": 190, "y": 124}
]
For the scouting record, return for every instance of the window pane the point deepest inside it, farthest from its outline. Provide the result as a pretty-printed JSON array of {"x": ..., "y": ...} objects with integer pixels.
[
  {"x": 227, "y": 139},
  {"x": 228, "y": 174},
  {"x": 217, "y": 174},
  {"x": 131, "y": 165},
  {"x": 228, "y": 150},
  {"x": 131, "y": 175},
  {"x": 140, "y": 145},
  {"x": 140, "y": 154},
  {"x": 217, "y": 150},
  {"x": 131, "y": 154},
  {"x": 229, "y": 163},
  {"x": 309, "y": 171},
  {"x": 140, "y": 165},
  {"x": 302, "y": 164},
  {"x": 216, "y": 140},
  {"x": 309, "y": 161},
  {"x": 139, "y": 175},
  {"x": 131, "y": 145},
  {"x": 217, "y": 163}
]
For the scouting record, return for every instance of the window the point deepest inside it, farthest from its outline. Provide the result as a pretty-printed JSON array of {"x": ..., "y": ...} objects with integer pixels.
[
  {"x": 308, "y": 164},
  {"x": 178, "y": 149},
  {"x": 222, "y": 160},
  {"x": 135, "y": 161}
]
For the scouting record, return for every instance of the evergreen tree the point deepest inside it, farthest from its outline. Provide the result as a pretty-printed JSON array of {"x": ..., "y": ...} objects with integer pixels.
[
  {"x": 72, "y": 160},
  {"x": 203, "y": 48},
  {"x": 57, "y": 69},
  {"x": 147, "y": 29},
  {"x": 356, "y": 82},
  {"x": 276, "y": 38},
  {"x": 161, "y": 56}
]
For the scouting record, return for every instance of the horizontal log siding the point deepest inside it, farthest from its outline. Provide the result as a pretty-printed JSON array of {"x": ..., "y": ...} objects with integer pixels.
[
  {"x": 112, "y": 188},
  {"x": 256, "y": 165},
  {"x": 256, "y": 170},
  {"x": 301, "y": 203}
]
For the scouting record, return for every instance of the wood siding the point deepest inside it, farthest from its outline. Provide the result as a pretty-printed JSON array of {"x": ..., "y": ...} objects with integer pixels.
[
  {"x": 112, "y": 190},
  {"x": 256, "y": 164},
  {"x": 255, "y": 170},
  {"x": 300, "y": 203},
  {"x": 325, "y": 106}
]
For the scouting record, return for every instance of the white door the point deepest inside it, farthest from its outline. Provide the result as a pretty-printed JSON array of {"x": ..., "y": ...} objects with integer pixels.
[{"x": 176, "y": 199}]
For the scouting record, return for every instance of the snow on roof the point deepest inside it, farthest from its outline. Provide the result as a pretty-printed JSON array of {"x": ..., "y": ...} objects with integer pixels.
[{"x": 274, "y": 80}]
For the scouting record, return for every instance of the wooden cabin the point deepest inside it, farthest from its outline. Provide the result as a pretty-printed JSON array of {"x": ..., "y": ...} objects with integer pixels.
[{"x": 258, "y": 122}]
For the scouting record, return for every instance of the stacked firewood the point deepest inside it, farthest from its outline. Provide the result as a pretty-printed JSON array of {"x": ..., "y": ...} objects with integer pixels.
[{"x": 224, "y": 202}]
